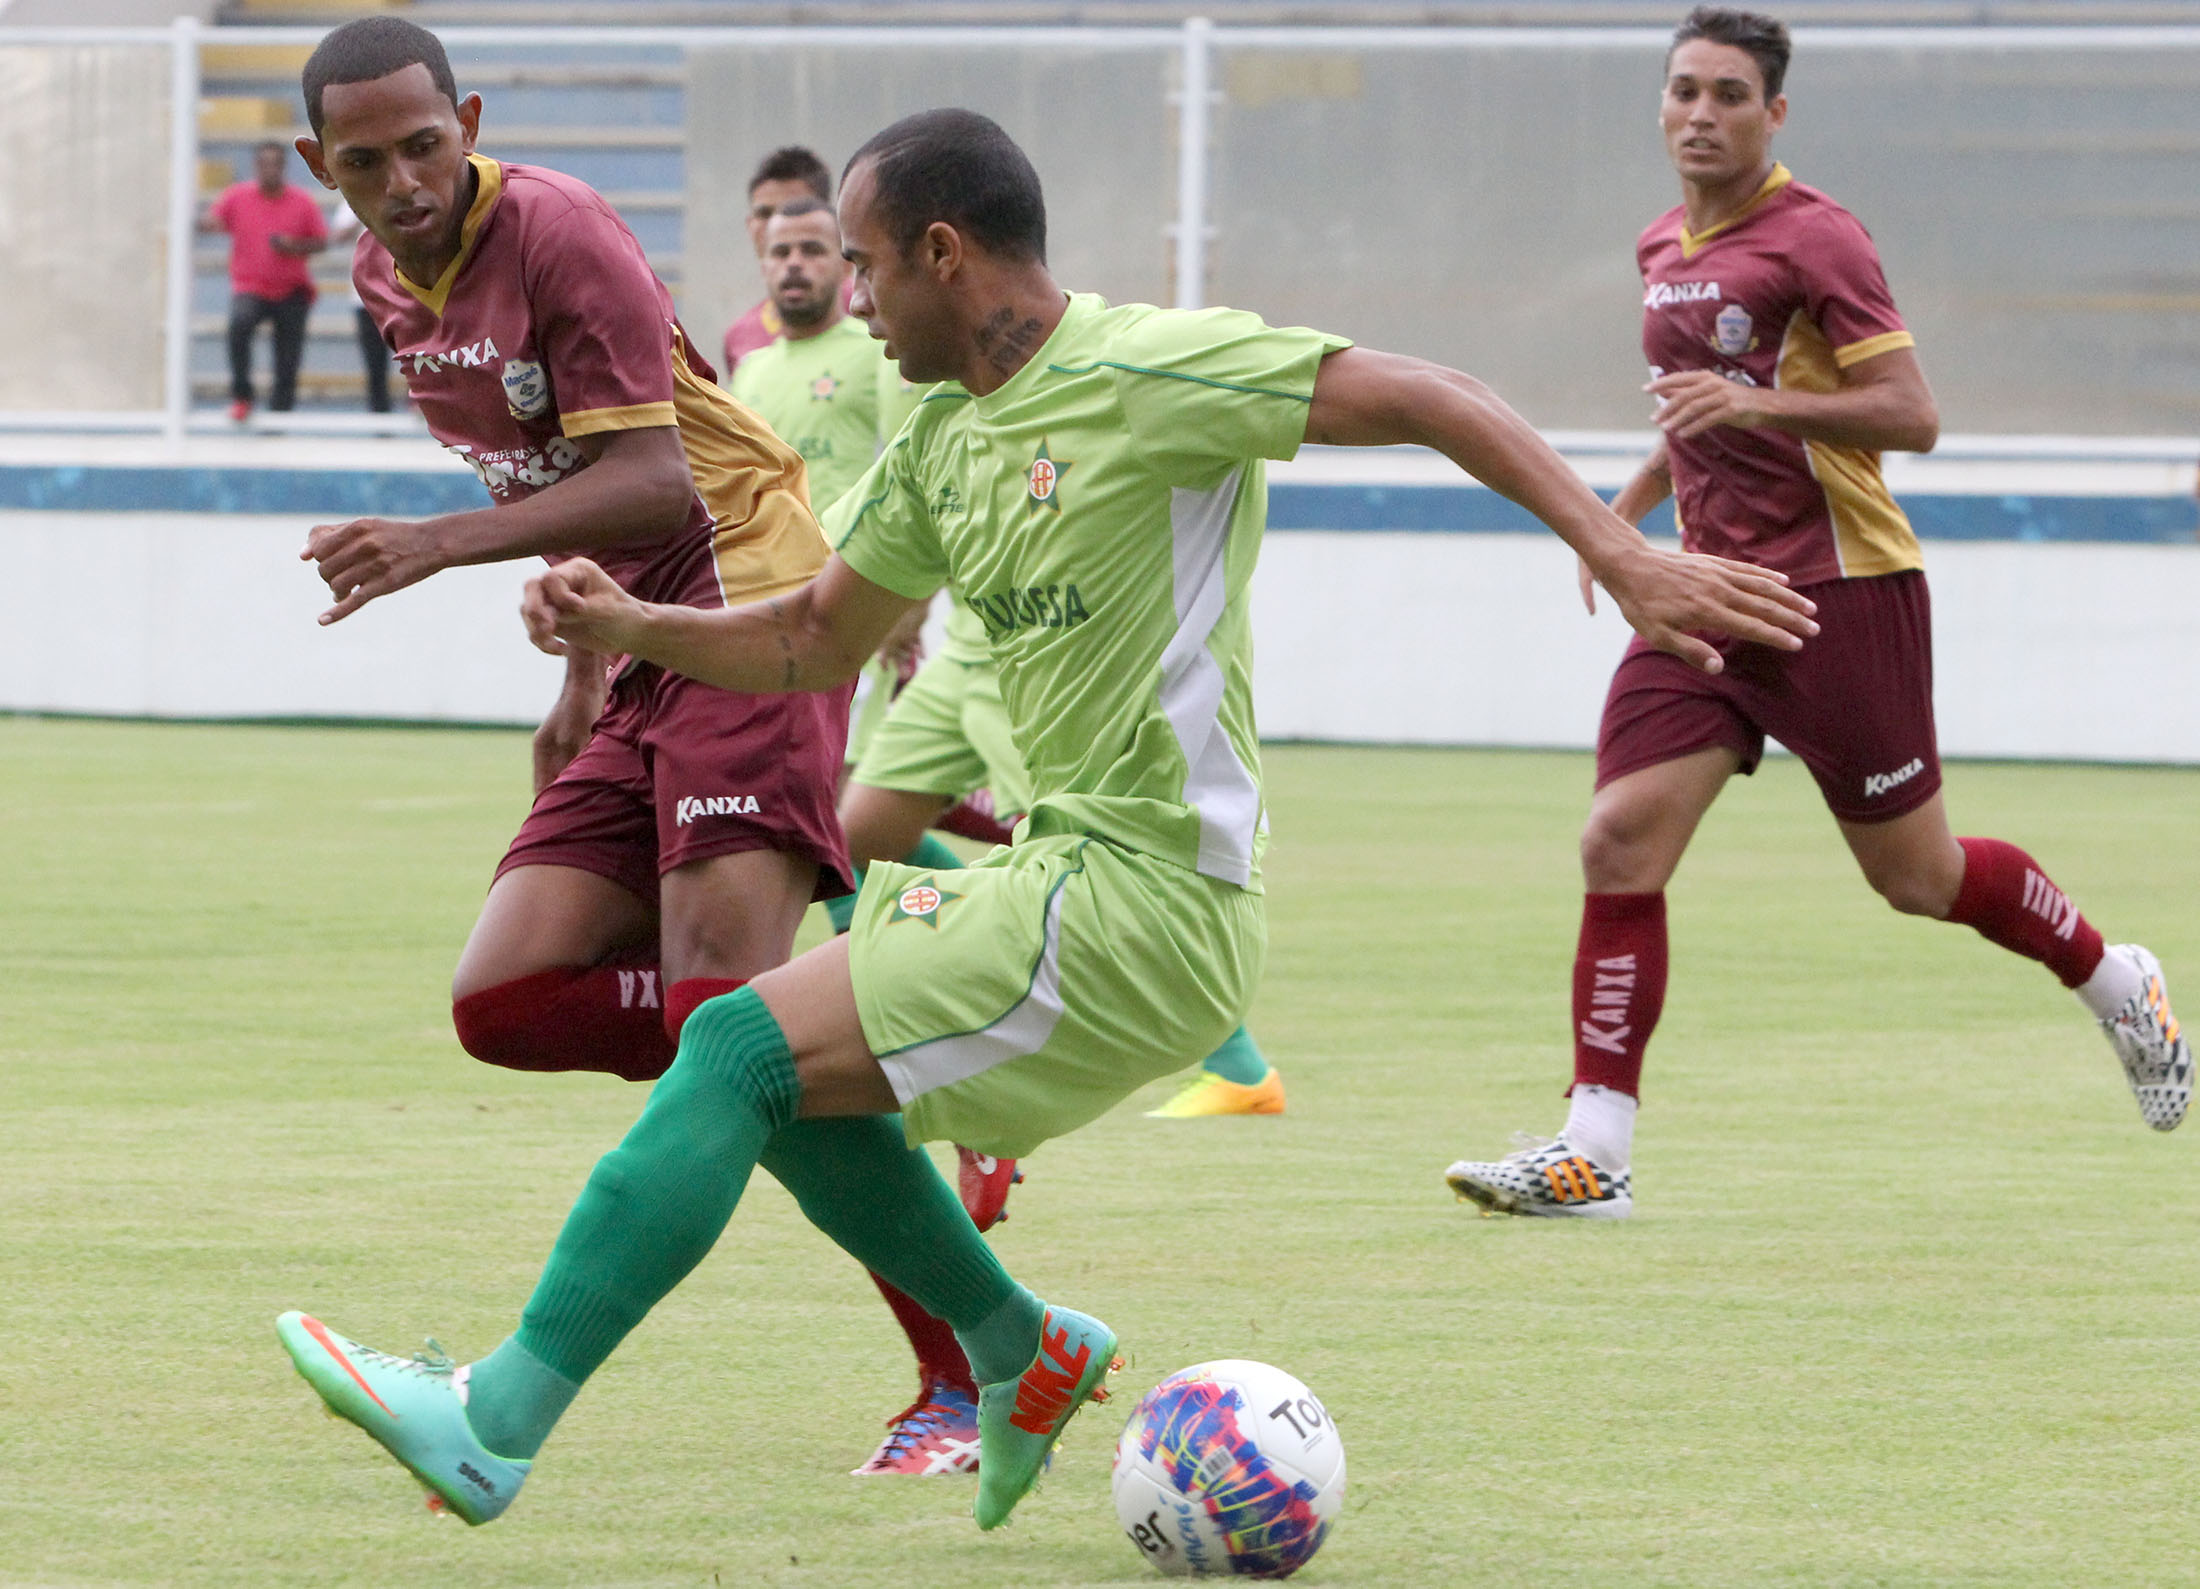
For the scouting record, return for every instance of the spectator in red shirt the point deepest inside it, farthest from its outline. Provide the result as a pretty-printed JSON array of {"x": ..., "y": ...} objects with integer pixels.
[{"x": 273, "y": 227}]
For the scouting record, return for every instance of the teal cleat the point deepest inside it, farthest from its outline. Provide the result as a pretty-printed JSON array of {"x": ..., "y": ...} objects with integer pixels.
[
  {"x": 1020, "y": 1421},
  {"x": 414, "y": 1408}
]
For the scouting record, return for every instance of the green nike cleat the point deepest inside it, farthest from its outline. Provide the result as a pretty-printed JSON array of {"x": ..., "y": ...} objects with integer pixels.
[
  {"x": 1020, "y": 1421},
  {"x": 414, "y": 1408}
]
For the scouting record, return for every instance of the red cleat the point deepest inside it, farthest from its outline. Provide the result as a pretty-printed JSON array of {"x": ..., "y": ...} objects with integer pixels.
[
  {"x": 984, "y": 1182},
  {"x": 240, "y": 410}
]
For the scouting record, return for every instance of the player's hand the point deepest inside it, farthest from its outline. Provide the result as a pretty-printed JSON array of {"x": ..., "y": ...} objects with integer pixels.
[
  {"x": 1672, "y": 599},
  {"x": 1691, "y": 402},
  {"x": 571, "y": 719},
  {"x": 576, "y": 606},
  {"x": 904, "y": 643},
  {"x": 368, "y": 558}
]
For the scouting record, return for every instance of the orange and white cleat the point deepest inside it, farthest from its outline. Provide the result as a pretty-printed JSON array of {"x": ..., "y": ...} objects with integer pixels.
[
  {"x": 2150, "y": 1042},
  {"x": 1543, "y": 1178}
]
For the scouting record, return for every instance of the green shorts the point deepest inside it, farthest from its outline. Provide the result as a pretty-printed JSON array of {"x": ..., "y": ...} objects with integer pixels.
[
  {"x": 1014, "y": 1001},
  {"x": 947, "y": 734}
]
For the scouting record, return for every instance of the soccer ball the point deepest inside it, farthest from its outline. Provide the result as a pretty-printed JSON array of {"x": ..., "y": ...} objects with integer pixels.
[{"x": 1229, "y": 1468}]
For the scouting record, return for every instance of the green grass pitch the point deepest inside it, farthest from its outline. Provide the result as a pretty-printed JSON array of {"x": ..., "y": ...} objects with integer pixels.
[{"x": 1909, "y": 1297}]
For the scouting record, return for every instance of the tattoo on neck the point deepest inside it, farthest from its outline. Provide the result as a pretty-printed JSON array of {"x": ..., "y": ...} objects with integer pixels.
[{"x": 1005, "y": 343}]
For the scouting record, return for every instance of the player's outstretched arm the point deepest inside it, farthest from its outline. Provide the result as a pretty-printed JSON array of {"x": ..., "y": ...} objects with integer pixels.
[
  {"x": 1363, "y": 398},
  {"x": 636, "y": 488},
  {"x": 1645, "y": 489},
  {"x": 809, "y": 639}
]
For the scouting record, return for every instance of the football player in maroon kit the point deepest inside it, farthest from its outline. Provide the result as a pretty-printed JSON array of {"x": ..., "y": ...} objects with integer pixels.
[
  {"x": 679, "y": 831},
  {"x": 1781, "y": 371}
]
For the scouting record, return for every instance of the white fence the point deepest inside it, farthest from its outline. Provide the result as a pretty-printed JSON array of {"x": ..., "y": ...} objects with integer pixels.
[{"x": 1467, "y": 193}]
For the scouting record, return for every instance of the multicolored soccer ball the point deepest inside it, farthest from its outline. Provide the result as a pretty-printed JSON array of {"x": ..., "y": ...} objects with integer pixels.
[{"x": 1229, "y": 1468}]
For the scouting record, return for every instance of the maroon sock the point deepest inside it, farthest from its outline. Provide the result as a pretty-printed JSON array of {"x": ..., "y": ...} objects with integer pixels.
[
  {"x": 684, "y": 995},
  {"x": 939, "y": 1354},
  {"x": 2009, "y": 900},
  {"x": 604, "y": 1018},
  {"x": 973, "y": 819},
  {"x": 1619, "y": 988}
]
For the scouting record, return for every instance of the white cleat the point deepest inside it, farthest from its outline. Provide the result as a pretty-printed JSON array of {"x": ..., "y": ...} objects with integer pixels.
[
  {"x": 2157, "y": 1059},
  {"x": 1542, "y": 1178}
]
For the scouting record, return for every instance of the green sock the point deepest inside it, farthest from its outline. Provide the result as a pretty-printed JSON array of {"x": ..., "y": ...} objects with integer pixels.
[
  {"x": 932, "y": 853},
  {"x": 842, "y": 911},
  {"x": 513, "y": 1398},
  {"x": 650, "y": 1212},
  {"x": 859, "y": 1181},
  {"x": 1239, "y": 1059},
  {"x": 1002, "y": 1345}
]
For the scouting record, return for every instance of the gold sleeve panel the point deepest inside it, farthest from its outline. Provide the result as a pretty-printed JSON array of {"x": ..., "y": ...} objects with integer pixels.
[
  {"x": 635, "y": 416},
  {"x": 1872, "y": 347},
  {"x": 1870, "y": 529},
  {"x": 1871, "y": 533},
  {"x": 1807, "y": 363},
  {"x": 767, "y": 541}
]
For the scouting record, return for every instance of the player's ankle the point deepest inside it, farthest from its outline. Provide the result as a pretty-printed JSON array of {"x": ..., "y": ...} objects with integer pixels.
[{"x": 1600, "y": 1123}]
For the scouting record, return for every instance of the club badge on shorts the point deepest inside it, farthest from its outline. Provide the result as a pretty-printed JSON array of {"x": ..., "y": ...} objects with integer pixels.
[{"x": 922, "y": 901}]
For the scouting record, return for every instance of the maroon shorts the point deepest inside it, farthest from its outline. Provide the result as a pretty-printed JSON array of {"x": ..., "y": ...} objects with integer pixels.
[
  {"x": 678, "y": 771},
  {"x": 1855, "y": 704}
]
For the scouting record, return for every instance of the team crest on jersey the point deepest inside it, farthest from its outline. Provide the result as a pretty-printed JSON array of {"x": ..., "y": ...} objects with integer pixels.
[
  {"x": 1043, "y": 480},
  {"x": 922, "y": 902},
  {"x": 823, "y": 388},
  {"x": 526, "y": 389},
  {"x": 1730, "y": 332}
]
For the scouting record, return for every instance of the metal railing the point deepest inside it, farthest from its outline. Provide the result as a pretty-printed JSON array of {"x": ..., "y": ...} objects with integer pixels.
[{"x": 1196, "y": 47}]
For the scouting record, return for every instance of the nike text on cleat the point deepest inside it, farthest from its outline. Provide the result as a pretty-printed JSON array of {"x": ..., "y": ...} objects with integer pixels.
[
  {"x": 937, "y": 1433},
  {"x": 1020, "y": 1420},
  {"x": 984, "y": 1181},
  {"x": 2147, "y": 1038},
  {"x": 414, "y": 1408},
  {"x": 1546, "y": 1178},
  {"x": 1207, "y": 1094}
]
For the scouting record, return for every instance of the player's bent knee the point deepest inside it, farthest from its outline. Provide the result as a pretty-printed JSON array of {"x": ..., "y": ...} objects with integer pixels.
[{"x": 1913, "y": 895}]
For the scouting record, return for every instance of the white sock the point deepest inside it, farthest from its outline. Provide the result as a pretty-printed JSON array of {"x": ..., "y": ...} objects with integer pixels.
[
  {"x": 1601, "y": 1124},
  {"x": 2112, "y": 984}
]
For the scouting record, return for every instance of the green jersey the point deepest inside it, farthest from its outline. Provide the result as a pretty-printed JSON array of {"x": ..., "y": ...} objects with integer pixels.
[
  {"x": 834, "y": 398},
  {"x": 1101, "y": 513}
]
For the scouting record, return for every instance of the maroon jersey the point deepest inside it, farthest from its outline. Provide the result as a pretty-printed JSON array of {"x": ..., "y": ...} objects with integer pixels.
[
  {"x": 550, "y": 325},
  {"x": 1788, "y": 293}
]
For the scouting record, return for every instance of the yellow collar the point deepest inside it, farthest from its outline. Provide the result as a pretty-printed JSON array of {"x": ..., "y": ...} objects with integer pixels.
[
  {"x": 1775, "y": 179},
  {"x": 490, "y": 185}
]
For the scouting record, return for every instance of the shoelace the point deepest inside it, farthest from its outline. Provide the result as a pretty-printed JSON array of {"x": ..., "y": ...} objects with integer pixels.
[
  {"x": 432, "y": 1360},
  {"x": 1526, "y": 1145},
  {"x": 920, "y": 1418}
]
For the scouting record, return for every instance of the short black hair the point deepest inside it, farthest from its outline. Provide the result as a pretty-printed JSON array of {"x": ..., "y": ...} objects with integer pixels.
[
  {"x": 794, "y": 164},
  {"x": 959, "y": 167},
  {"x": 275, "y": 144},
  {"x": 802, "y": 207},
  {"x": 372, "y": 47},
  {"x": 1764, "y": 39}
]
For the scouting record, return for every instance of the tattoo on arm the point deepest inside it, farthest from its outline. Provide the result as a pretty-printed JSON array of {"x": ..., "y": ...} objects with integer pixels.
[{"x": 786, "y": 641}]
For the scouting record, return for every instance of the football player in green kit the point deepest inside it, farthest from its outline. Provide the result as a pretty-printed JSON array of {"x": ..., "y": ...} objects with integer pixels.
[{"x": 1091, "y": 477}]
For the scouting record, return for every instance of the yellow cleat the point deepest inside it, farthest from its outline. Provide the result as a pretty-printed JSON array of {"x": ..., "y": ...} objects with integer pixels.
[{"x": 1208, "y": 1094}]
